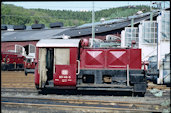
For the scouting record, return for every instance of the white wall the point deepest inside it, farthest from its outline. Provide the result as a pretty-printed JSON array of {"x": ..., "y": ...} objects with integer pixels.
[
  {"x": 164, "y": 47},
  {"x": 164, "y": 44},
  {"x": 147, "y": 50},
  {"x": 123, "y": 38}
]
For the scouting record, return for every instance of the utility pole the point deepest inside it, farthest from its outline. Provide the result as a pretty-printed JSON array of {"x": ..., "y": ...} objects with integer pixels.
[
  {"x": 151, "y": 15},
  {"x": 93, "y": 26},
  {"x": 132, "y": 26}
]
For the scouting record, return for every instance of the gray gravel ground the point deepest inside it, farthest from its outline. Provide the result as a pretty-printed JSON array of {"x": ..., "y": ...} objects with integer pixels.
[{"x": 147, "y": 99}]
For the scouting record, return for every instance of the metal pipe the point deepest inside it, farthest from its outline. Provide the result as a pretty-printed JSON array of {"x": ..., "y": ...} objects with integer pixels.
[
  {"x": 132, "y": 25},
  {"x": 157, "y": 49},
  {"x": 151, "y": 13},
  {"x": 132, "y": 22},
  {"x": 127, "y": 75},
  {"x": 93, "y": 27},
  {"x": 78, "y": 67}
]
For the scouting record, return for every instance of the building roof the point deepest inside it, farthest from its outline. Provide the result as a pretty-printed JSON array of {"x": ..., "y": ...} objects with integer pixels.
[
  {"x": 106, "y": 26},
  {"x": 86, "y": 29},
  {"x": 30, "y": 35}
]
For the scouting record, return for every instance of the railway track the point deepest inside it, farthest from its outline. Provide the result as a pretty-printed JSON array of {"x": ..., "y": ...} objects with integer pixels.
[
  {"x": 75, "y": 104},
  {"x": 18, "y": 91},
  {"x": 14, "y": 83},
  {"x": 33, "y": 91}
]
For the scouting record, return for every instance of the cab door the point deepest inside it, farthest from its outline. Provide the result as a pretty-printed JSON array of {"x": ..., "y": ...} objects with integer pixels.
[
  {"x": 65, "y": 66},
  {"x": 42, "y": 67}
]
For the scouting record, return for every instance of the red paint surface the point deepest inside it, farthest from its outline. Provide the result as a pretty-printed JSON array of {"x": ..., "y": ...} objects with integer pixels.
[
  {"x": 135, "y": 58},
  {"x": 92, "y": 58},
  {"x": 110, "y": 58},
  {"x": 117, "y": 58},
  {"x": 29, "y": 65},
  {"x": 66, "y": 80},
  {"x": 70, "y": 78},
  {"x": 12, "y": 58},
  {"x": 36, "y": 74}
]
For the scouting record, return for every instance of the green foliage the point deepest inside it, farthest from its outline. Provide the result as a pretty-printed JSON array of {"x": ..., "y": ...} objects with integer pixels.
[{"x": 15, "y": 15}]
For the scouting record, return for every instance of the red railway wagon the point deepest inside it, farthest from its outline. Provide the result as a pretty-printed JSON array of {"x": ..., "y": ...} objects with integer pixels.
[
  {"x": 12, "y": 61},
  {"x": 71, "y": 63}
]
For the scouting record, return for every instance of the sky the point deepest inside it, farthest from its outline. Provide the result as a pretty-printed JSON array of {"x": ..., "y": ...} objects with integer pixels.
[{"x": 79, "y": 5}]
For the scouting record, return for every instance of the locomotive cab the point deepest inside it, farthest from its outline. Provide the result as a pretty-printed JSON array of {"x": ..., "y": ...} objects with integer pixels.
[{"x": 57, "y": 63}]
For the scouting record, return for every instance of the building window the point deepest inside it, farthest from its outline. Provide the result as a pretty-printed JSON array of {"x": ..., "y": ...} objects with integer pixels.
[
  {"x": 149, "y": 32},
  {"x": 32, "y": 48},
  {"x": 130, "y": 35},
  {"x": 19, "y": 49},
  {"x": 165, "y": 25}
]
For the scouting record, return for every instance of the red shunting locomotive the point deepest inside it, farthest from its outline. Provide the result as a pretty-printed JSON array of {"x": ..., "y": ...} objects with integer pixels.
[
  {"x": 72, "y": 63},
  {"x": 12, "y": 61}
]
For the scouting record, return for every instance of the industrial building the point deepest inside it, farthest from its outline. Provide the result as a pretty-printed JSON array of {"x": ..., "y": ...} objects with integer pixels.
[
  {"x": 153, "y": 37},
  {"x": 24, "y": 41},
  {"x": 148, "y": 34}
]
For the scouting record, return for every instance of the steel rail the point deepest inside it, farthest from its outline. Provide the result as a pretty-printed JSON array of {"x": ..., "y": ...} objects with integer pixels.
[
  {"x": 63, "y": 107},
  {"x": 78, "y": 100},
  {"x": 106, "y": 104},
  {"x": 20, "y": 91}
]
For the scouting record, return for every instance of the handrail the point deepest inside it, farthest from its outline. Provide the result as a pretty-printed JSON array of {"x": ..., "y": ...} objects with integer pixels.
[{"x": 78, "y": 67}]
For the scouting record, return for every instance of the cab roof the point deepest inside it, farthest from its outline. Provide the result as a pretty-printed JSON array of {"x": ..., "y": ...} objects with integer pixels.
[{"x": 58, "y": 43}]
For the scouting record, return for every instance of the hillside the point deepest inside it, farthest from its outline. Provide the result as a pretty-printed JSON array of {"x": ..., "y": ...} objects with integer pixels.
[{"x": 15, "y": 15}]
